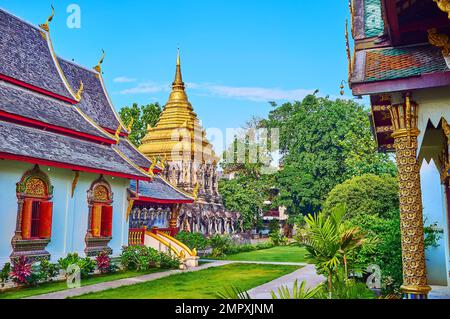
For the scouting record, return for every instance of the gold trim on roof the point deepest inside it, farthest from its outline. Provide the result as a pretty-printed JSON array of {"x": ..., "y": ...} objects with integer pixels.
[
  {"x": 444, "y": 5},
  {"x": 98, "y": 67},
  {"x": 45, "y": 25}
]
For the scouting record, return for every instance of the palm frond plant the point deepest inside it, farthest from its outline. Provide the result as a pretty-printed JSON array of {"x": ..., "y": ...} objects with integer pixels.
[
  {"x": 298, "y": 291},
  {"x": 328, "y": 240},
  {"x": 233, "y": 293}
]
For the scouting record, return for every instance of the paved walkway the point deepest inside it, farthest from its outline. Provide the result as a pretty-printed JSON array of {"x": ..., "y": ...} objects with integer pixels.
[
  {"x": 439, "y": 292},
  {"x": 122, "y": 282},
  {"x": 307, "y": 273},
  {"x": 262, "y": 292}
]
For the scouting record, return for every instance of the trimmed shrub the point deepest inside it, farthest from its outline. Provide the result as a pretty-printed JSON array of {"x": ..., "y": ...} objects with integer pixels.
[
  {"x": 193, "y": 240},
  {"x": 365, "y": 195}
]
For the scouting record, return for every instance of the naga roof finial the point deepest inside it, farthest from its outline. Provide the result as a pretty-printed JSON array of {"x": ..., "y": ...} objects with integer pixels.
[
  {"x": 130, "y": 125},
  {"x": 80, "y": 91},
  {"x": 44, "y": 26},
  {"x": 98, "y": 67}
]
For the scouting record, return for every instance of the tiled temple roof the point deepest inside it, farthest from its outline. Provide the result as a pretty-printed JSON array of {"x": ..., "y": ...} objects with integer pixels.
[
  {"x": 27, "y": 142},
  {"x": 94, "y": 102},
  {"x": 397, "y": 63},
  {"x": 159, "y": 189},
  {"x": 373, "y": 18},
  {"x": 26, "y": 56},
  {"x": 133, "y": 154},
  {"x": 28, "y": 104}
]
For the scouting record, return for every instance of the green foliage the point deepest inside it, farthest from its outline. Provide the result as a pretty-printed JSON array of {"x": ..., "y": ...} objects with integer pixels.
[
  {"x": 324, "y": 142},
  {"x": 298, "y": 292},
  {"x": 278, "y": 239},
  {"x": 329, "y": 240},
  {"x": 193, "y": 240},
  {"x": 220, "y": 244},
  {"x": 246, "y": 194},
  {"x": 385, "y": 251},
  {"x": 344, "y": 288},
  {"x": 143, "y": 258},
  {"x": 233, "y": 293},
  {"x": 143, "y": 116},
  {"x": 236, "y": 249},
  {"x": 432, "y": 235},
  {"x": 365, "y": 195},
  {"x": 47, "y": 270},
  {"x": 86, "y": 265},
  {"x": 274, "y": 226},
  {"x": 4, "y": 273}
]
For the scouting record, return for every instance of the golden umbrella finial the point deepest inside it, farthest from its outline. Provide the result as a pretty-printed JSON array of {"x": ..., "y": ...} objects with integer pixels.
[
  {"x": 44, "y": 26},
  {"x": 178, "y": 57},
  {"x": 98, "y": 67}
]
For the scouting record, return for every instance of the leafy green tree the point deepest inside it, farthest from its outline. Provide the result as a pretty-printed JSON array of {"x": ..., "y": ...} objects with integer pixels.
[
  {"x": 365, "y": 195},
  {"x": 323, "y": 142},
  {"x": 142, "y": 116}
]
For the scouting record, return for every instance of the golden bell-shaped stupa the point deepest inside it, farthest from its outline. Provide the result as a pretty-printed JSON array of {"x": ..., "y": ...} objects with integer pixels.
[{"x": 178, "y": 135}]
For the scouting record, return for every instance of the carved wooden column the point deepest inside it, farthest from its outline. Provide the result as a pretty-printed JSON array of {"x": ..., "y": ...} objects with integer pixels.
[{"x": 404, "y": 121}]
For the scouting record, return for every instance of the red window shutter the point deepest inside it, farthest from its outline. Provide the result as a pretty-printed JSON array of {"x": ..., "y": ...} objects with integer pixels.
[
  {"x": 45, "y": 222},
  {"x": 106, "y": 221},
  {"x": 26, "y": 218}
]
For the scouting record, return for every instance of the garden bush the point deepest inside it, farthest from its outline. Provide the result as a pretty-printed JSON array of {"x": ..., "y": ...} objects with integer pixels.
[
  {"x": 86, "y": 265},
  {"x": 23, "y": 272},
  {"x": 143, "y": 258},
  {"x": 365, "y": 195},
  {"x": 278, "y": 239},
  {"x": 4, "y": 274},
  {"x": 193, "y": 240},
  {"x": 220, "y": 244},
  {"x": 103, "y": 262},
  {"x": 47, "y": 270}
]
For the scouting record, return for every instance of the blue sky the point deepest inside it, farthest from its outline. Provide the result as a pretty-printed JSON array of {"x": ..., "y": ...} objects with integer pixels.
[{"x": 236, "y": 55}]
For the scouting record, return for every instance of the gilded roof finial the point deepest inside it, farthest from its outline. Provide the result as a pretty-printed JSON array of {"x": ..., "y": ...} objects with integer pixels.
[
  {"x": 130, "y": 125},
  {"x": 349, "y": 54},
  {"x": 178, "y": 57},
  {"x": 195, "y": 191},
  {"x": 444, "y": 5},
  {"x": 439, "y": 40},
  {"x": 117, "y": 134},
  {"x": 44, "y": 26},
  {"x": 98, "y": 67},
  {"x": 80, "y": 91}
]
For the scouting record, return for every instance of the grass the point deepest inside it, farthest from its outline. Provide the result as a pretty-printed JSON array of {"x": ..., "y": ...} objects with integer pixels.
[
  {"x": 276, "y": 254},
  {"x": 62, "y": 285},
  {"x": 203, "y": 284}
]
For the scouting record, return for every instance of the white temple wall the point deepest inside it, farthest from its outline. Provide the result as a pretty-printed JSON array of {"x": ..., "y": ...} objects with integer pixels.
[
  {"x": 434, "y": 210},
  {"x": 70, "y": 215}
]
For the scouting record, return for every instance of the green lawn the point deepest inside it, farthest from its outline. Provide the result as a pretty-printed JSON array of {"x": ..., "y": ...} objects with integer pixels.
[
  {"x": 280, "y": 254},
  {"x": 203, "y": 284},
  {"x": 62, "y": 285}
]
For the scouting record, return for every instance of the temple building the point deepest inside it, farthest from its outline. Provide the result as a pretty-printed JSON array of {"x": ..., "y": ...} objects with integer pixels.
[
  {"x": 179, "y": 141},
  {"x": 402, "y": 63},
  {"x": 69, "y": 175}
]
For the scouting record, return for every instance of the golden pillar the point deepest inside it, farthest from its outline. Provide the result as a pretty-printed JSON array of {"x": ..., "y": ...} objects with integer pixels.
[
  {"x": 174, "y": 216},
  {"x": 404, "y": 121}
]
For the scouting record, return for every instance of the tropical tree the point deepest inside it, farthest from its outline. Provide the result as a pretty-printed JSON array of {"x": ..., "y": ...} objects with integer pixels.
[
  {"x": 329, "y": 240},
  {"x": 143, "y": 116}
]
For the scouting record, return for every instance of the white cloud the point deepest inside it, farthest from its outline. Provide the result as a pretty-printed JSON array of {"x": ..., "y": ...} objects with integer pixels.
[
  {"x": 124, "y": 79},
  {"x": 222, "y": 91},
  {"x": 147, "y": 87},
  {"x": 257, "y": 93}
]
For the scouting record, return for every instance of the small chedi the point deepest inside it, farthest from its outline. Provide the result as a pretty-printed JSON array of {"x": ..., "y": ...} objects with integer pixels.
[{"x": 189, "y": 163}]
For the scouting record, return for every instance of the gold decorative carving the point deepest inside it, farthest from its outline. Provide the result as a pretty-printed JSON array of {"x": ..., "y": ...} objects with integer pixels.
[
  {"x": 80, "y": 91},
  {"x": 98, "y": 67},
  {"x": 130, "y": 125},
  {"x": 129, "y": 208},
  {"x": 351, "y": 6},
  {"x": 45, "y": 26},
  {"x": 439, "y": 40},
  {"x": 404, "y": 121},
  {"x": 36, "y": 187},
  {"x": 75, "y": 182},
  {"x": 444, "y": 5},
  {"x": 101, "y": 193},
  {"x": 349, "y": 54}
]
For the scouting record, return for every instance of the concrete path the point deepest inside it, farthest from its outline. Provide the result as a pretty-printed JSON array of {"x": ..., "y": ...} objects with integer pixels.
[
  {"x": 256, "y": 262},
  {"x": 122, "y": 282},
  {"x": 439, "y": 292},
  {"x": 307, "y": 273}
]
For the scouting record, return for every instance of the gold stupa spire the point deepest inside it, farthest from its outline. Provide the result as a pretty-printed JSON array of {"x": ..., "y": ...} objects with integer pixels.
[{"x": 178, "y": 121}]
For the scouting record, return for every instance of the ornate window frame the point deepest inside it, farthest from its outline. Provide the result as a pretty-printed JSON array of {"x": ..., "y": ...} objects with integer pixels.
[
  {"x": 32, "y": 248},
  {"x": 97, "y": 244}
]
